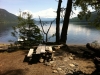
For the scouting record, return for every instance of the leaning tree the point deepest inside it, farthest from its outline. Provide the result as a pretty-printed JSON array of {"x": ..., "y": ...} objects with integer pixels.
[{"x": 84, "y": 5}]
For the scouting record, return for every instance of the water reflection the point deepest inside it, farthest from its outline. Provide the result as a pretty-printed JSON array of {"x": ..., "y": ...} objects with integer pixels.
[
  {"x": 5, "y": 33},
  {"x": 82, "y": 34},
  {"x": 78, "y": 33}
]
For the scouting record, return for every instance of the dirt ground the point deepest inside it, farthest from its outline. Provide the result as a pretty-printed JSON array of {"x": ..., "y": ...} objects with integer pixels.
[{"x": 12, "y": 63}]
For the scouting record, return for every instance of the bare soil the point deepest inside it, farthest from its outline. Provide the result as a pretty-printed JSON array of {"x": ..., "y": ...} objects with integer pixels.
[{"x": 12, "y": 63}]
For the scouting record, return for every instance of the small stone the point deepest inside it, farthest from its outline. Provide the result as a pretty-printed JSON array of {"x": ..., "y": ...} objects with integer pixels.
[
  {"x": 54, "y": 58},
  {"x": 61, "y": 57},
  {"x": 53, "y": 68},
  {"x": 41, "y": 60},
  {"x": 51, "y": 62},
  {"x": 47, "y": 64},
  {"x": 57, "y": 48},
  {"x": 62, "y": 66},
  {"x": 59, "y": 69},
  {"x": 71, "y": 58},
  {"x": 65, "y": 60},
  {"x": 70, "y": 72},
  {"x": 72, "y": 65},
  {"x": 55, "y": 71},
  {"x": 53, "y": 51},
  {"x": 53, "y": 65},
  {"x": 62, "y": 72}
]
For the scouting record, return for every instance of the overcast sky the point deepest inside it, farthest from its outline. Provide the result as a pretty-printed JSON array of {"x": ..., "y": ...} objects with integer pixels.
[{"x": 42, "y": 8}]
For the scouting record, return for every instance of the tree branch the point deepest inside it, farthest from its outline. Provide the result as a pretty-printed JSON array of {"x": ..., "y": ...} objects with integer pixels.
[
  {"x": 50, "y": 25},
  {"x": 42, "y": 25}
]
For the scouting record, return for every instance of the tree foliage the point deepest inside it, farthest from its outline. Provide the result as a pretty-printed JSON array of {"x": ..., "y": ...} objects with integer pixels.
[
  {"x": 27, "y": 30},
  {"x": 85, "y": 6}
]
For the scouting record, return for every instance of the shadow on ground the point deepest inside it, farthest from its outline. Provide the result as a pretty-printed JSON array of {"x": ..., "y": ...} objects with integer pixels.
[
  {"x": 14, "y": 72},
  {"x": 96, "y": 72},
  {"x": 78, "y": 51}
]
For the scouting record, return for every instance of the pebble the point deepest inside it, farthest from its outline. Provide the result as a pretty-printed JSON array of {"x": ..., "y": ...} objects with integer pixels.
[
  {"x": 72, "y": 65},
  {"x": 59, "y": 69},
  {"x": 51, "y": 62},
  {"x": 71, "y": 58},
  {"x": 55, "y": 71},
  {"x": 53, "y": 65},
  {"x": 57, "y": 48},
  {"x": 41, "y": 60}
]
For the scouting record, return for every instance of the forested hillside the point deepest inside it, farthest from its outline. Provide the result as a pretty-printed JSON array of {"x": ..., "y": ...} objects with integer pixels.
[
  {"x": 76, "y": 19},
  {"x": 6, "y": 17}
]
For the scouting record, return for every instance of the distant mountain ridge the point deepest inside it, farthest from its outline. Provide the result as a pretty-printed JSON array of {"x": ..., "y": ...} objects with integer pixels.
[
  {"x": 75, "y": 19},
  {"x": 6, "y": 17}
]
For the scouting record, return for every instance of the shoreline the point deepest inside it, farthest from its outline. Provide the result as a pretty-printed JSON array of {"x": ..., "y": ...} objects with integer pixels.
[{"x": 72, "y": 44}]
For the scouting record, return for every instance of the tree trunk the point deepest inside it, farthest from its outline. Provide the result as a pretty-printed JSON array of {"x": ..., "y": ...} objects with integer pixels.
[
  {"x": 58, "y": 22},
  {"x": 66, "y": 22},
  {"x": 46, "y": 37}
]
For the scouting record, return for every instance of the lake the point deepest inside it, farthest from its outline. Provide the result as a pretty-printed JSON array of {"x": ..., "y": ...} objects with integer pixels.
[{"x": 78, "y": 33}]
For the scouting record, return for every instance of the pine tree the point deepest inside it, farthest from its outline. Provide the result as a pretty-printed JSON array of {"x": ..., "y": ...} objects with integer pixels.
[{"x": 27, "y": 30}]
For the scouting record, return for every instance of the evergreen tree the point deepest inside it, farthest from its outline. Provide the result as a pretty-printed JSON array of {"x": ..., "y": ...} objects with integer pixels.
[{"x": 27, "y": 30}]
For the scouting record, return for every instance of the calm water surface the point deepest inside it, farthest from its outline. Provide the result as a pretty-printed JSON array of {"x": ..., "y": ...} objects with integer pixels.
[{"x": 78, "y": 33}]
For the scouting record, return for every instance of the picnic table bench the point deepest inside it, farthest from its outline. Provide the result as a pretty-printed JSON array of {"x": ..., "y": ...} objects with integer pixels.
[{"x": 41, "y": 52}]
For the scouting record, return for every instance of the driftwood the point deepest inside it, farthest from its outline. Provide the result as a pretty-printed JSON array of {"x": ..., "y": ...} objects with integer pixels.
[
  {"x": 97, "y": 63},
  {"x": 94, "y": 46}
]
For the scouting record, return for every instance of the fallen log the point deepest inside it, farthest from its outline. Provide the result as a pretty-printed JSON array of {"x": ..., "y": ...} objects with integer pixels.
[{"x": 93, "y": 46}]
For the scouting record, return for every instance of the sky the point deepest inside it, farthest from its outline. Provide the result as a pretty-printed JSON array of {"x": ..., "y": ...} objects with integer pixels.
[{"x": 42, "y": 8}]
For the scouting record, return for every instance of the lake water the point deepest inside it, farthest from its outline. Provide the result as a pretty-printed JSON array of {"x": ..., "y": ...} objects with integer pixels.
[{"x": 78, "y": 33}]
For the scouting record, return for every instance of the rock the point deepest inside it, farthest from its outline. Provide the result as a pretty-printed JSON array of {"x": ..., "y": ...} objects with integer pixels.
[
  {"x": 55, "y": 71},
  {"x": 51, "y": 62},
  {"x": 53, "y": 65},
  {"x": 53, "y": 51},
  {"x": 54, "y": 58},
  {"x": 72, "y": 65},
  {"x": 56, "y": 48},
  {"x": 61, "y": 57},
  {"x": 62, "y": 66},
  {"x": 53, "y": 68},
  {"x": 46, "y": 63},
  {"x": 41, "y": 60},
  {"x": 59, "y": 69},
  {"x": 62, "y": 72},
  {"x": 70, "y": 72},
  {"x": 65, "y": 60},
  {"x": 71, "y": 58}
]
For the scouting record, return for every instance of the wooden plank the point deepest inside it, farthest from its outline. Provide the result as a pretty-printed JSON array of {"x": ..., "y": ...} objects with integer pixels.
[
  {"x": 30, "y": 53},
  {"x": 49, "y": 48},
  {"x": 40, "y": 49}
]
